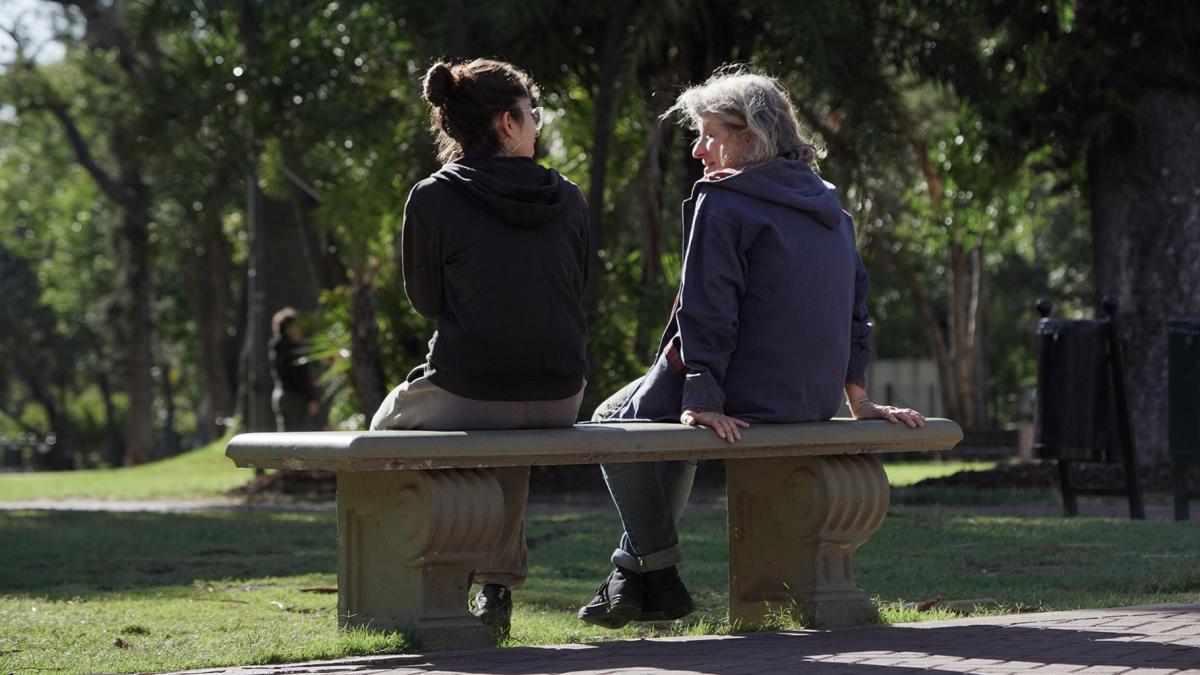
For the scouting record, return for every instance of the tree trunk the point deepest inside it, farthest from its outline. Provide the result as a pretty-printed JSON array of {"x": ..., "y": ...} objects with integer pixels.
[
  {"x": 114, "y": 453},
  {"x": 612, "y": 57},
  {"x": 652, "y": 176},
  {"x": 366, "y": 361},
  {"x": 207, "y": 276},
  {"x": 1146, "y": 243},
  {"x": 170, "y": 437},
  {"x": 977, "y": 332},
  {"x": 133, "y": 246},
  {"x": 106, "y": 32}
]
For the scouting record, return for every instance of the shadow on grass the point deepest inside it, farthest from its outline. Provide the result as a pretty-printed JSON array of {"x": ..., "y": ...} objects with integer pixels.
[{"x": 66, "y": 554}]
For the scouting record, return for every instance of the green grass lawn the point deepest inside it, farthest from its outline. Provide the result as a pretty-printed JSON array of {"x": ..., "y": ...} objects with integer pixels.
[
  {"x": 903, "y": 474},
  {"x": 125, "y": 592},
  {"x": 200, "y": 473}
]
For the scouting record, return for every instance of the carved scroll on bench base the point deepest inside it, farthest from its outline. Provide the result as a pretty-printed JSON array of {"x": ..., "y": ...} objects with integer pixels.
[
  {"x": 794, "y": 525},
  {"x": 407, "y": 543}
]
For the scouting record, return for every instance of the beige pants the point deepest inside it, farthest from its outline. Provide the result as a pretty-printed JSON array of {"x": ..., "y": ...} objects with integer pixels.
[{"x": 421, "y": 404}]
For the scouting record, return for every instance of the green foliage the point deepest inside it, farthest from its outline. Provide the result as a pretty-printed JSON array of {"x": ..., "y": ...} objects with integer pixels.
[{"x": 325, "y": 98}]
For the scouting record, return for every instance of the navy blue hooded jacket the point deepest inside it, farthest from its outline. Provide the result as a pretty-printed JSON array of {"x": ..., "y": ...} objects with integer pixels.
[{"x": 771, "y": 318}]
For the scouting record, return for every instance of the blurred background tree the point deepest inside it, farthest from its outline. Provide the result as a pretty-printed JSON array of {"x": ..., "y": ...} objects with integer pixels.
[{"x": 990, "y": 153}]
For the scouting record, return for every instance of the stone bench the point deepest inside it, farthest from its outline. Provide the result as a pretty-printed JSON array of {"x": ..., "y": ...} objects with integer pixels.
[{"x": 417, "y": 510}]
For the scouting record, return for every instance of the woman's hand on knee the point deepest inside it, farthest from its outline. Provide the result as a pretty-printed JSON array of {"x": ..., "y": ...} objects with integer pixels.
[{"x": 725, "y": 426}]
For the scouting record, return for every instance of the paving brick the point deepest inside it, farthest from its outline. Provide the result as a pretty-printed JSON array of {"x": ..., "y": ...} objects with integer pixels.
[{"x": 1149, "y": 640}]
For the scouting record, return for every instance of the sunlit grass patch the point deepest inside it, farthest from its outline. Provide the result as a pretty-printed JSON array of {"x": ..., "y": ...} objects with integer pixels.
[{"x": 203, "y": 472}]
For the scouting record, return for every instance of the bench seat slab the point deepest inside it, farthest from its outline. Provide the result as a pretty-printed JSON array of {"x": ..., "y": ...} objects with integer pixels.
[
  {"x": 794, "y": 525},
  {"x": 407, "y": 544}
]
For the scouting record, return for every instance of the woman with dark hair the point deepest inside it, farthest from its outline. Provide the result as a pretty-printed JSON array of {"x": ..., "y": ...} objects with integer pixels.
[
  {"x": 495, "y": 250},
  {"x": 770, "y": 324},
  {"x": 294, "y": 398}
]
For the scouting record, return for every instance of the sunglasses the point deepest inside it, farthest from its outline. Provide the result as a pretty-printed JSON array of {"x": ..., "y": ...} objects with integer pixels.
[{"x": 536, "y": 114}]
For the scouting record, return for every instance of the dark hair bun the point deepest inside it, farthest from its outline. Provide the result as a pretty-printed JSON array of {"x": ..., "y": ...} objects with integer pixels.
[{"x": 439, "y": 83}]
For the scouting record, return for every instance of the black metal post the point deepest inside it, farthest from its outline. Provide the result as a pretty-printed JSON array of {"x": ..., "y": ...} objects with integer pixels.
[
  {"x": 1179, "y": 471},
  {"x": 1070, "y": 503}
]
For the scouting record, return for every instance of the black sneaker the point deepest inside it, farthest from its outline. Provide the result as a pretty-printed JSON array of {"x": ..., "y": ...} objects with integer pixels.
[
  {"x": 493, "y": 606},
  {"x": 618, "y": 600},
  {"x": 665, "y": 597}
]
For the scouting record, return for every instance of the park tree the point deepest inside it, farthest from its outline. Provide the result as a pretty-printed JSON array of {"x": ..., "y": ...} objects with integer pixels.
[
  {"x": 53, "y": 220},
  {"x": 313, "y": 109},
  {"x": 1112, "y": 90},
  {"x": 111, "y": 136}
]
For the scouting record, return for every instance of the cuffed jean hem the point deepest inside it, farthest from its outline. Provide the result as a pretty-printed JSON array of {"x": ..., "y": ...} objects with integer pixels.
[{"x": 659, "y": 560}]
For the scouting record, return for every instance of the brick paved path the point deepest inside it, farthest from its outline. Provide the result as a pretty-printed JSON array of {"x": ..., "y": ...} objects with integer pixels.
[{"x": 1150, "y": 639}]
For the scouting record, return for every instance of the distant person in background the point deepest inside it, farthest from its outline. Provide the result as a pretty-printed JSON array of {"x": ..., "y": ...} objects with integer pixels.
[
  {"x": 294, "y": 399},
  {"x": 495, "y": 250}
]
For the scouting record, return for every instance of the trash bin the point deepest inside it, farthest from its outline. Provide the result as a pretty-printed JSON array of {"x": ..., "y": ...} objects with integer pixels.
[
  {"x": 1076, "y": 411},
  {"x": 1082, "y": 407}
]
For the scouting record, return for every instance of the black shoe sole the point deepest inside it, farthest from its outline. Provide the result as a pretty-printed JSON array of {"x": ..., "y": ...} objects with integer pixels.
[
  {"x": 613, "y": 617},
  {"x": 668, "y": 614}
]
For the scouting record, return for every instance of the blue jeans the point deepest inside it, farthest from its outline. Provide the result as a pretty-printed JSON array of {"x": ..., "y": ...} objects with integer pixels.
[{"x": 650, "y": 498}]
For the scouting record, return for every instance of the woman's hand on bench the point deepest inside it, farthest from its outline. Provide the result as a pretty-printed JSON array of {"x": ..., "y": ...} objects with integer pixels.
[
  {"x": 871, "y": 411},
  {"x": 725, "y": 426}
]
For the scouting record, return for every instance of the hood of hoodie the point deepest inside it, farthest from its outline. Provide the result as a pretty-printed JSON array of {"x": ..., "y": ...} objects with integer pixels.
[
  {"x": 786, "y": 182},
  {"x": 521, "y": 191}
]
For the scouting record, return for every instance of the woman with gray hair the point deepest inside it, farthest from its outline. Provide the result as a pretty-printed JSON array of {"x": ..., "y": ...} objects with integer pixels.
[{"x": 770, "y": 324}]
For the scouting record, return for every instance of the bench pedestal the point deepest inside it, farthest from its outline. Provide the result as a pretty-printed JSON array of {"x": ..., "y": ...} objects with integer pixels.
[
  {"x": 794, "y": 525},
  {"x": 407, "y": 544}
]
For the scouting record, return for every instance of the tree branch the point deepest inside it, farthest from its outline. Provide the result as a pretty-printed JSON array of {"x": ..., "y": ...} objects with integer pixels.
[
  {"x": 976, "y": 302},
  {"x": 921, "y": 150},
  {"x": 104, "y": 31},
  {"x": 83, "y": 153},
  {"x": 59, "y": 110}
]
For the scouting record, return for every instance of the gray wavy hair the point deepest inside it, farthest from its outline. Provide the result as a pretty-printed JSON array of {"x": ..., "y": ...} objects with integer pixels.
[{"x": 757, "y": 107}]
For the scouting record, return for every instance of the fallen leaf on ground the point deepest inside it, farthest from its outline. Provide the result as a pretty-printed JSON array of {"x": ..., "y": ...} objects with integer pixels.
[{"x": 121, "y": 644}]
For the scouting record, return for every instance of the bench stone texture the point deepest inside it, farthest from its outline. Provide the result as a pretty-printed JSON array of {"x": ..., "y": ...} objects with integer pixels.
[{"x": 418, "y": 510}]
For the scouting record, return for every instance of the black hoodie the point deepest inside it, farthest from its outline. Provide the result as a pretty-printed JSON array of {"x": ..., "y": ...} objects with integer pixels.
[{"x": 495, "y": 250}]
